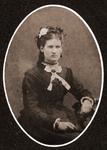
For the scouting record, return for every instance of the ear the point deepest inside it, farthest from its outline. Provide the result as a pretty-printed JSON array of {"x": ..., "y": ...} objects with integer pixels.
[{"x": 41, "y": 49}]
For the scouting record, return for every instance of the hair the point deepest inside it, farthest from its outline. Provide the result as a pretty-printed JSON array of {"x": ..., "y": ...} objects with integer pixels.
[{"x": 47, "y": 33}]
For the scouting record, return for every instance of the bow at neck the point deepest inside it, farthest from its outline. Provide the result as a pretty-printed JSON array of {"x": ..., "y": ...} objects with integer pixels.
[{"x": 54, "y": 69}]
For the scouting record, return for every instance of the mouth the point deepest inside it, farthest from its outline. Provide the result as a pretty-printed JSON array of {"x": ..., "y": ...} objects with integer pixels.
[{"x": 54, "y": 56}]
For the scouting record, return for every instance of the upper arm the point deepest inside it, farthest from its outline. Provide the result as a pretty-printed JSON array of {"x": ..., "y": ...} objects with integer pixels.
[
  {"x": 77, "y": 88},
  {"x": 30, "y": 91}
]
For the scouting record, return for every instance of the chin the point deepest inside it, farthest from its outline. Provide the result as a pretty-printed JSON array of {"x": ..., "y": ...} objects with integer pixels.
[{"x": 53, "y": 61}]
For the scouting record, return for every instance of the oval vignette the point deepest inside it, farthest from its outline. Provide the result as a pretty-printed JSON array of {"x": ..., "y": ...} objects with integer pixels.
[{"x": 17, "y": 62}]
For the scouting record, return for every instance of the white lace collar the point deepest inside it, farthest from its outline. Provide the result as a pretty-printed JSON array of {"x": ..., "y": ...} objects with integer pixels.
[{"x": 50, "y": 68}]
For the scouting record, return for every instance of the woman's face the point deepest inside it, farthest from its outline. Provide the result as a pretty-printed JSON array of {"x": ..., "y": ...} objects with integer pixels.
[{"x": 52, "y": 50}]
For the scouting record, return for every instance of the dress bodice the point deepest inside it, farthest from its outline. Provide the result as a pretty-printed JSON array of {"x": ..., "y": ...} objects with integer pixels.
[{"x": 40, "y": 80}]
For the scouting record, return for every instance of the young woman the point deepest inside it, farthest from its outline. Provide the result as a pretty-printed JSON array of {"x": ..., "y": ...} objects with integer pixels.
[{"x": 44, "y": 86}]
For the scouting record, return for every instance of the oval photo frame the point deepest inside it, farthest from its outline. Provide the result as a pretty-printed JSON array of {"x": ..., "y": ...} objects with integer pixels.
[{"x": 25, "y": 62}]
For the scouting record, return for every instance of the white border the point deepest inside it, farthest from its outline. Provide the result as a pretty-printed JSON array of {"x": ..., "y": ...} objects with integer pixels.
[{"x": 102, "y": 79}]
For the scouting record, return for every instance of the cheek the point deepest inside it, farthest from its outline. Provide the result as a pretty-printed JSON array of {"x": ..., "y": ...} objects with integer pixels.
[
  {"x": 60, "y": 51},
  {"x": 47, "y": 53}
]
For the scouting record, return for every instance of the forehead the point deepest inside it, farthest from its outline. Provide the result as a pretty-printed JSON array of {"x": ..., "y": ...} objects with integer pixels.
[{"x": 53, "y": 41}]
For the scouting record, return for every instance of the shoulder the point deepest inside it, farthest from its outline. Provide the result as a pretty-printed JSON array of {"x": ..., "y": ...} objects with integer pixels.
[
  {"x": 31, "y": 78},
  {"x": 32, "y": 72},
  {"x": 67, "y": 70}
]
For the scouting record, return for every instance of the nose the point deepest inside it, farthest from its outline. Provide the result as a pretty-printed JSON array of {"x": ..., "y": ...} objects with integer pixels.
[{"x": 54, "y": 50}]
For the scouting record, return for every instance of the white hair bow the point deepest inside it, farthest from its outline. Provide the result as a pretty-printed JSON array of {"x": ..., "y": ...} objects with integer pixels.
[{"x": 43, "y": 31}]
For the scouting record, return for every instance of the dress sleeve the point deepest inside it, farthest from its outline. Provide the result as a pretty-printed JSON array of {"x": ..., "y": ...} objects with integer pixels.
[
  {"x": 31, "y": 88},
  {"x": 77, "y": 88}
]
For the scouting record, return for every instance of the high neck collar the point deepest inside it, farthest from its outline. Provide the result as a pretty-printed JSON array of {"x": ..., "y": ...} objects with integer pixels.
[
  {"x": 50, "y": 63},
  {"x": 52, "y": 67}
]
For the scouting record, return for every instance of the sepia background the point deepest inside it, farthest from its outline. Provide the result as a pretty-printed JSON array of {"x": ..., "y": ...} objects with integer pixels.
[{"x": 79, "y": 53}]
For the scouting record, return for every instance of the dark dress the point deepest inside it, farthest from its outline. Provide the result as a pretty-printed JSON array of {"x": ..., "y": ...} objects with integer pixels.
[{"x": 43, "y": 107}]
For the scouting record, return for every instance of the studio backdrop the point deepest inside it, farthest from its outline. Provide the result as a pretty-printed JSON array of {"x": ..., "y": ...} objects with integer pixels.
[{"x": 80, "y": 53}]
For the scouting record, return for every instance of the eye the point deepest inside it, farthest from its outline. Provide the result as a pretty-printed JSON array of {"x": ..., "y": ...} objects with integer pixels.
[
  {"x": 50, "y": 46},
  {"x": 58, "y": 46}
]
